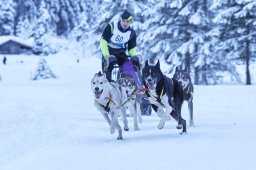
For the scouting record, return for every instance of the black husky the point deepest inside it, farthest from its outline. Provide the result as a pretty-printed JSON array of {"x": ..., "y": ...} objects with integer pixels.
[{"x": 165, "y": 95}]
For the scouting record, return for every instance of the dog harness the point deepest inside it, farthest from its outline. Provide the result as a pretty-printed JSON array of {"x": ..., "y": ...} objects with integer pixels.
[
  {"x": 189, "y": 89},
  {"x": 106, "y": 108},
  {"x": 187, "y": 93},
  {"x": 130, "y": 97},
  {"x": 158, "y": 98},
  {"x": 134, "y": 92}
]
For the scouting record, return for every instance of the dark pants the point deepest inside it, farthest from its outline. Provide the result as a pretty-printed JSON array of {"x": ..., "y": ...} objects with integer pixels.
[{"x": 120, "y": 59}]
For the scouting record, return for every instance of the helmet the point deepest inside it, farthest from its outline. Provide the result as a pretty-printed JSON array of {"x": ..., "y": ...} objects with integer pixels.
[{"x": 126, "y": 15}]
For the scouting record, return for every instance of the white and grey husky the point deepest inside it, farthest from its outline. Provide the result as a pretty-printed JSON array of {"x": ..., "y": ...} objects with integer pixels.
[
  {"x": 131, "y": 98},
  {"x": 184, "y": 79},
  {"x": 108, "y": 101}
]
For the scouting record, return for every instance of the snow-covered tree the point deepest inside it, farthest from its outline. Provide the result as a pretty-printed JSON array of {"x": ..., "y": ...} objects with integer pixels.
[
  {"x": 43, "y": 71},
  {"x": 81, "y": 31},
  {"x": 175, "y": 31},
  {"x": 7, "y": 17},
  {"x": 87, "y": 16},
  {"x": 235, "y": 28},
  {"x": 24, "y": 28},
  {"x": 42, "y": 30},
  {"x": 178, "y": 31},
  {"x": 25, "y": 18}
]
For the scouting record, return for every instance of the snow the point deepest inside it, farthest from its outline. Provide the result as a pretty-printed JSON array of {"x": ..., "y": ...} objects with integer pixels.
[
  {"x": 4, "y": 39},
  {"x": 196, "y": 18},
  {"x": 53, "y": 125},
  {"x": 185, "y": 11}
]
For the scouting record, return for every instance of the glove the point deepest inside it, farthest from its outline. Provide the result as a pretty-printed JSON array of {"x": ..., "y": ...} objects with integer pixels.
[
  {"x": 107, "y": 109},
  {"x": 136, "y": 61},
  {"x": 107, "y": 61}
]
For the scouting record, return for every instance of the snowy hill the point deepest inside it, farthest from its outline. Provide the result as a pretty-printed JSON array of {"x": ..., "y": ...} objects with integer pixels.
[{"x": 53, "y": 125}]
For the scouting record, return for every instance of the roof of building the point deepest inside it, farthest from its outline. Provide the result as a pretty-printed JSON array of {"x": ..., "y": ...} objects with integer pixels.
[{"x": 4, "y": 39}]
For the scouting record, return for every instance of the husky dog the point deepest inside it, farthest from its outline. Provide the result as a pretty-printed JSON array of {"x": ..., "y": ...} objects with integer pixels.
[
  {"x": 184, "y": 79},
  {"x": 165, "y": 95},
  {"x": 131, "y": 98},
  {"x": 108, "y": 101}
]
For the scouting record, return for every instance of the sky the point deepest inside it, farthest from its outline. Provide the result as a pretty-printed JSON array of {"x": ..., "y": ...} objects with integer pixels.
[{"x": 53, "y": 125}]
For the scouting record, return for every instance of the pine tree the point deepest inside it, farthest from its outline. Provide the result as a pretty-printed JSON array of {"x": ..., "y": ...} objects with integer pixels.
[
  {"x": 235, "y": 21},
  {"x": 86, "y": 16},
  {"x": 171, "y": 31},
  {"x": 7, "y": 17},
  {"x": 24, "y": 28},
  {"x": 25, "y": 18},
  {"x": 43, "y": 71},
  {"x": 41, "y": 29}
]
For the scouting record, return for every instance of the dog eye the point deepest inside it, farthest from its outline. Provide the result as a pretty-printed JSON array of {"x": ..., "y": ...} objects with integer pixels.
[
  {"x": 93, "y": 82},
  {"x": 101, "y": 82}
]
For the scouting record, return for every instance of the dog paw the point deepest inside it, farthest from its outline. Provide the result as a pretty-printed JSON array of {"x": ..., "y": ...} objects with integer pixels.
[
  {"x": 126, "y": 129},
  {"x": 136, "y": 128},
  {"x": 120, "y": 138},
  {"x": 181, "y": 133},
  {"x": 179, "y": 126},
  {"x": 140, "y": 119},
  {"x": 161, "y": 125},
  {"x": 191, "y": 123}
]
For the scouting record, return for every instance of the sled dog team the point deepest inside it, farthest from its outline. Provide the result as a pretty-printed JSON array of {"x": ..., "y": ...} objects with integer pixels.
[{"x": 166, "y": 96}]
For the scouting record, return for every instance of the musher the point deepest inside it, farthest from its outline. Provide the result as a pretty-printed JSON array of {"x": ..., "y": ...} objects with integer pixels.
[{"x": 118, "y": 47}]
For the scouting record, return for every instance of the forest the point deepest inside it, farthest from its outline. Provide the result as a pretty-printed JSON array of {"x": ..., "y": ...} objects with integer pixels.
[{"x": 210, "y": 37}]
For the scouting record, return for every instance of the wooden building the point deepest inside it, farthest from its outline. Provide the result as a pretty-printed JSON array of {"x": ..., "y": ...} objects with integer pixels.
[{"x": 14, "y": 45}]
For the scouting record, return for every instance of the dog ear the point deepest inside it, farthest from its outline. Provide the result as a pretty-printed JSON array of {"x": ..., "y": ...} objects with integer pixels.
[
  {"x": 120, "y": 81},
  {"x": 146, "y": 63},
  {"x": 186, "y": 69},
  {"x": 158, "y": 64},
  {"x": 104, "y": 75},
  {"x": 176, "y": 69},
  {"x": 133, "y": 81},
  {"x": 99, "y": 73}
]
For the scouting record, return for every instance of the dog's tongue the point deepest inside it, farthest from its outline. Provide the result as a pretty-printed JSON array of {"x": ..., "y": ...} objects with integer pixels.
[
  {"x": 151, "y": 86},
  {"x": 97, "y": 94}
]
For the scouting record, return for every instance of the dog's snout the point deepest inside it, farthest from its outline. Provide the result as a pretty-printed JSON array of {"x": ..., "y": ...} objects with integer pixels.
[
  {"x": 149, "y": 80},
  {"x": 97, "y": 89}
]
